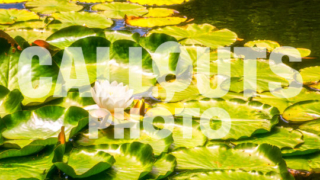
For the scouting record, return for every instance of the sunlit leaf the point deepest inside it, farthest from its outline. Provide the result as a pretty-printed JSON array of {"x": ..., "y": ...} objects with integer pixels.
[
  {"x": 311, "y": 126},
  {"x": 226, "y": 174},
  {"x": 307, "y": 163},
  {"x": 163, "y": 166},
  {"x": 310, "y": 74},
  {"x": 280, "y": 137},
  {"x": 85, "y": 162},
  {"x": 284, "y": 99},
  {"x": 302, "y": 111},
  {"x": 247, "y": 118},
  {"x": 10, "y": 16},
  {"x": 30, "y": 35},
  {"x": 159, "y": 2},
  {"x": 310, "y": 145},
  {"x": 149, "y": 22},
  {"x": 10, "y": 101},
  {"x": 65, "y": 37},
  {"x": 80, "y": 18},
  {"x": 264, "y": 158},
  {"x": 28, "y": 167},
  {"x": 269, "y": 45},
  {"x": 106, "y": 136},
  {"x": 204, "y": 34},
  {"x": 113, "y": 36},
  {"x": 118, "y": 10},
  {"x": 52, "y": 6},
  {"x": 160, "y": 12}
]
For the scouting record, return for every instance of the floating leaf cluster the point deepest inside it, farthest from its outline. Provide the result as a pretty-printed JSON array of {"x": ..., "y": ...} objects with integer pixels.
[{"x": 48, "y": 138}]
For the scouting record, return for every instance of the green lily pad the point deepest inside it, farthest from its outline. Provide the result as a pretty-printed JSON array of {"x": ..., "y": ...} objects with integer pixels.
[
  {"x": 149, "y": 22},
  {"x": 85, "y": 162},
  {"x": 310, "y": 74},
  {"x": 52, "y": 6},
  {"x": 159, "y": 2},
  {"x": 106, "y": 136},
  {"x": 309, "y": 163},
  {"x": 160, "y": 12},
  {"x": 9, "y": 64},
  {"x": 117, "y": 10},
  {"x": 315, "y": 86},
  {"x": 10, "y": 16},
  {"x": 19, "y": 148},
  {"x": 10, "y": 101},
  {"x": 264, "y": 158},
  {"x": 24, "y": 25},
  {"x": 92, "y": 1},
  {"x": 205, "y": 35},
  {"x": 264, "y": 74},
  {"x": 280, "y": 137},
  {"x": 11, "y": 1},
  {"x": 311, "y": 144},
  {"x": 30, "y": 35},
  {"x": 44, "y": 123},
  {"x": 91, "y": 20},
  {"x": 222, "y": 175},
  {"x": 196, "y": 140},
  {"x": 133, "y": 161},
  {"x": 302, "y": 111},
  {"x": 118, "y": 65},
  {"x": 311, "y": 126},
  {"x": 269, "y": 45},
  {"x": 247, "y": 118},
  {"x": 283, "y": 101},
  {"x": 163, "y": 166},
  {"x": 302, "y": 52},
  {"x": 113, "y": 36},
  {"x": 66, "y": 36},
  {"x": 28, "y": 167}
]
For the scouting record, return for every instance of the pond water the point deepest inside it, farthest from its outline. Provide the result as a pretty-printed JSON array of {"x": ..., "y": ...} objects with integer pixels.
[{"x": 289, "y": 22}]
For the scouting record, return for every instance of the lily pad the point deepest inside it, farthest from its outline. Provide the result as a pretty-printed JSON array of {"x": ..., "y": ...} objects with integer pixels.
[
  {"x": 309, "y": 163},
  {"x": 106, "y": 136},
  {"x": 9, "y": 64},
  {"x": 52, "y": 6},
  {"x": 302, "y": 111},
  {"x": 222, "y": 175},
  {"x": 92, "y": 1},
  {"x": 159, "y": 2},
  {"x": 10, "y": 101},
  {"x": 311, "y": 126},
  {"x": 269, "y": 45},
  {"x": 85, "y": 162},
  {"x": 43, "y": 123},
  {"x": 28, "y": 167},
  {"x": 160, "y": 12},
  {"x": 91, "y": 20},
  {"x": 311, "y": 144},
  {"x": 30, "y": 35},
  {"x": 133, "y": 161},
  {"x": 310, "y": 74},
  {"x": 163, "y": 166},
  {"x": 204, "y": 34},
  {"x": 149, "y": 22},
  {"x": 247, "y": 118},
  {"x": 280, "y": 137},
  {"x": 24, "y": 25},
  {"x": 264, "y": 74},
  {"x": 113, "y": 36},
  {"x": 66, "y": 36},
  {"x": 264, "y": 158},
  {"x": 284, "y": 101},
  {"x": 10, "y": 16},
  {"x": 11, "y": 1},
  {"x": 118, "y": 10}
]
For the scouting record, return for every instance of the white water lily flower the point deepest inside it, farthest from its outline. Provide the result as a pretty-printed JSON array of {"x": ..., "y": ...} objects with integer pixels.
[{"x": 111, "y": 96}]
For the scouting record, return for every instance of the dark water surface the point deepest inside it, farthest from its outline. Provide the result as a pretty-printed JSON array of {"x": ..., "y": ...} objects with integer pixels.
[{"x": 293, "y": 23}]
